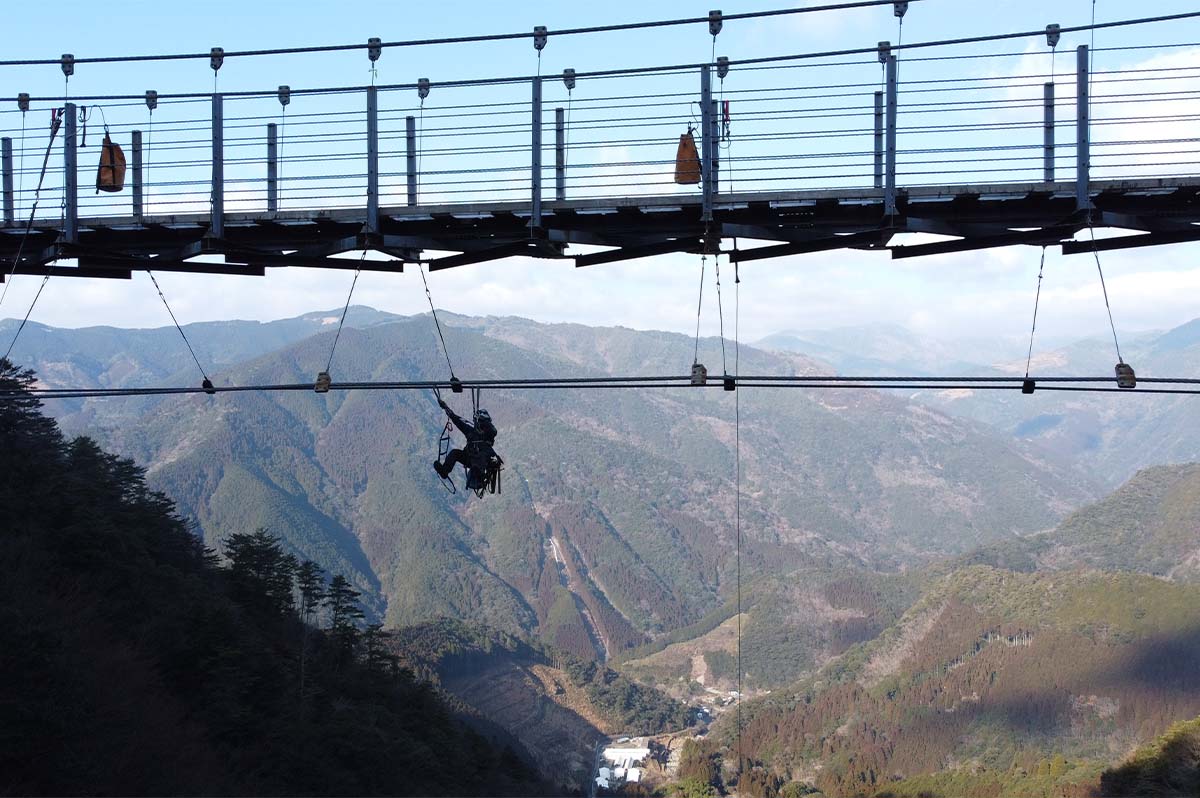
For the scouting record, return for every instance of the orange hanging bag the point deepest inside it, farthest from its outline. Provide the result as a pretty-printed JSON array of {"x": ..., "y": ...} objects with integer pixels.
[{"x": 111, "y": 175}]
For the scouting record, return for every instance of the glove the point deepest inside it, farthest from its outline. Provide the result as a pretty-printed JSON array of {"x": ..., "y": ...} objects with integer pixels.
[{"x": 442, "y": 404}]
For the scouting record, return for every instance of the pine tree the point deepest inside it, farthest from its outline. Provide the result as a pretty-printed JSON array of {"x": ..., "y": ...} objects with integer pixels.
[
  {"x": 310, "y": 581},
  {"x": 261, "y": 572},
  {"x": 344, "y": 613}
]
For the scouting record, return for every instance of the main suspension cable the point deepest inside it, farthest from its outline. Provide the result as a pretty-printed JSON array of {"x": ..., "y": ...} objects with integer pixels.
[{"x": 459, "y": 39}]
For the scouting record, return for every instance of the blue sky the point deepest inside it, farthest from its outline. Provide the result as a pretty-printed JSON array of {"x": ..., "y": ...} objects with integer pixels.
[{"x": 948, "y": 297}]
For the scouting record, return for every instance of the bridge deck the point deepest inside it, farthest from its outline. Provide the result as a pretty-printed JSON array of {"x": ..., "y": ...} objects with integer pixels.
[{"x": 975, "y": 217}]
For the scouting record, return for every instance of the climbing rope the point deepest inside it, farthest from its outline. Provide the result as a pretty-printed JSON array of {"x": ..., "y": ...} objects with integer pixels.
[
  {"x": 436, "y": 323},
  {"x": 21, "y": 327},
  {"x": 204, "y": 376},
  {"x": 1036, "y": 299},
  {"x": 342, "y": 320},
  {"x": 737, "y": 457}
]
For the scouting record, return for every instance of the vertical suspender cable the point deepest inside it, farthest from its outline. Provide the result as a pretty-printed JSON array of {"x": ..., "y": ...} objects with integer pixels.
[
  {"x": 720, "y": 312},
  {"x": 699, "y": 306}
]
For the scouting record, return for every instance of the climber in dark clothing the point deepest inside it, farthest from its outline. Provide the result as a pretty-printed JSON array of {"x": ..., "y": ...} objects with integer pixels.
[{"x": 478, "y": 456}]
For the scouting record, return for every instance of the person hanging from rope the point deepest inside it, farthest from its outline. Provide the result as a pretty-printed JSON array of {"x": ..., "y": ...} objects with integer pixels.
[{"x": 478, "y": 457}]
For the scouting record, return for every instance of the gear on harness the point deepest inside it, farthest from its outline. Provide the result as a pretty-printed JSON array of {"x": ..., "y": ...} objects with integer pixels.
[{"x": 478, "y": 457}]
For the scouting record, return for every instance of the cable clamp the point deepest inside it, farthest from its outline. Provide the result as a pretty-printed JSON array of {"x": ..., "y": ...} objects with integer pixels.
[
  {"x": 1053, "y": 34},
  {"x": 216, "y": 58},
  {"x": 539, "y": 37},
  {"x": 900, "y": 8},
  {"x": 285, "y": 95},
  {"x": 323, "y": 382},
  {"x": 151, "y": 99},
  {"x": 423, "y": 88},
  {"x": 729, "y": 383},
  {"x": 1126, "y": 379},
  {"x": 722, "y": 66},
  {"x": 885, "y": 49},
  {"x": 715, "y": 21},
  {"x": 1028, "y": 386},
  {"x": 68, "y": 64},
  {"x": 699, "y": 374},
  {"x": 208, "y": 386},
  {"x": 569, "y": 79},
  {"x": 456, "y": 385},
  {"x": 23, "y": 101}
]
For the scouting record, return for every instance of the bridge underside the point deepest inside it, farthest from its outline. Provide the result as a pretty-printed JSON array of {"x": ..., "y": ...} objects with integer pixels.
[{"x": 1159, "y": 211}]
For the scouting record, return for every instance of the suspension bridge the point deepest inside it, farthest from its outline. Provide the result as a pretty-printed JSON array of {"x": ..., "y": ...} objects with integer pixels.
[{"x": 1015, "y": 138}]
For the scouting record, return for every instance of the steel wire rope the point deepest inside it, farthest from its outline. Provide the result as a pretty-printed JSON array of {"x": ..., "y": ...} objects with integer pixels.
[
  {"x": 182, "y": 334},
  {"x": 737, "y": 459},
  {"x": 676, "y": 68},
  {"x": 458, "y": 39},
  {"x": 342, "y": 320},
  {"x": 699, "y": 306},
  {"x": 436, "y": 323},
  {"x": 720, "y": 313},
  {"x": 1036, "y": 300},
  {"x": 55, "y": 121},
  {"x": 609, "y": 383}
]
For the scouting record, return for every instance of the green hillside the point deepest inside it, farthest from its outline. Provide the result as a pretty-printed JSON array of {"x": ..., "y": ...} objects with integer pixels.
[
  {"x": 1151, "y": 524},
  {"x": 132, "y": 663},
  {"x": 1029, "y": 682}
]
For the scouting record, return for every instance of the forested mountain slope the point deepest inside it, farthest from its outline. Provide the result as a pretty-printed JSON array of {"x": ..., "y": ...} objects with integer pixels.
[
  {"x": 996, "y": 682},
  {"x": 131, "y": 663}
]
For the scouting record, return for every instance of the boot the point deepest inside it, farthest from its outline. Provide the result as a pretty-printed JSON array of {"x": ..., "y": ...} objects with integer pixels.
[{"x": 441, "y": 470}]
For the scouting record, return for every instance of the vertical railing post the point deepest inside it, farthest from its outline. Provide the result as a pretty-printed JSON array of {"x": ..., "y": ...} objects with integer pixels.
[
  {"x": 6, "y": 167},
  {"x": 889, "y": 187},
  {"x": 878, "y": 139},
  {"x": 372, "y": 160},
  {"x": 1048, "y": 126},
  {"x": 1083, "y": 149},
  {"x": 136, "y": 180},
  {"x": 216, "y": 227},
  {"x": 536, "y": 160},
  {"x": 560, "y": 155},
  {"x": 272, "y": 168},
  {"x": 410, "y": 156},
  {"x": 71, "y": 176},
  {"x": 706, "y": 144}
]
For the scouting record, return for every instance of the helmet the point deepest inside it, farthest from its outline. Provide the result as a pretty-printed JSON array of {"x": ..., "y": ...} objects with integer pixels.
[{"x": 483, "y": 415}]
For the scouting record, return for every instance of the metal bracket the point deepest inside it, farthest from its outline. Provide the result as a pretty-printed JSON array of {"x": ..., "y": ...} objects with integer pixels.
[
  {"x": 285, "y": 95},
  {"x": 569, "y": 79},
  {"x": 374, "y": 48},
  {"x": 715, "y": 21},
  {"x": 216, "y": 58},
  {"x": 151, "y": 99},
  {"x": 423, "y": 88},
  {"x": 539, "y": 37},
  {"x": 68, "y": 64},
  {"x": 1053, "y": 34},
  {"x": 900, "y": 8},
  {"x": 722, "y": 66}
]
